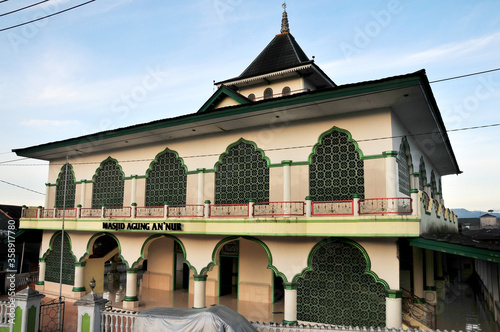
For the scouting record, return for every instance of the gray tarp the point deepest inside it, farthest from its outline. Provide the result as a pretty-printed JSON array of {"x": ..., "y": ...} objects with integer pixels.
[{"x": 217, "y": 318}]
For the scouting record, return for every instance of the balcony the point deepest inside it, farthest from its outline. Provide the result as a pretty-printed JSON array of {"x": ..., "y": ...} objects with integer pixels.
[{"x": 402, "y": 216}]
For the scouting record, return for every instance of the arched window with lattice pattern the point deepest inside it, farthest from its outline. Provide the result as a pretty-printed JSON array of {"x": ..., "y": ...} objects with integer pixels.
[
  {"x": 242, "y": 173},
  {"x": 166, "y": 180},
  {"x": 53, "y": 261},
  {"x": 108, "y": 185},
  {"x": 336, "y": 171},
  {"x": 422, "y": 180},
  {"x": 404, "y": 168},
  {"x": 66, "y": 178},
  {"x": 433, "y": 185},
  {"x": 268, "y": 93}
]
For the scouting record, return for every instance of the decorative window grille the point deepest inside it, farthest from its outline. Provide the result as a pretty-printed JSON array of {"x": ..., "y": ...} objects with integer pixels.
[
  {"x": 422, "y": 180},
  {"x": 336, "y": 171},
  {"x": 339, "y": 291},
  {"x": 70, "y": 188},
  {"x": 166, "y": 181},
  {"x": 404, "y": 170},
  {"x": 53, "y": 261},
  {"x": 268, "y": 93},
  {"x": 433, "y": 185},
  {"x": 251, "y": 97},
  {"x": 108, "y": 185},
  {"x": 241, "y": 174}
]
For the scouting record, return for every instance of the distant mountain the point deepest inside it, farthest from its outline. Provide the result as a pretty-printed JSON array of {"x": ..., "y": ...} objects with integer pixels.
[{"x": 464, "y": 213}]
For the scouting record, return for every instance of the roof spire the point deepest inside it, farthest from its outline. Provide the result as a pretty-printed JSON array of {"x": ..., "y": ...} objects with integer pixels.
[{"x": 284, "y": 21}]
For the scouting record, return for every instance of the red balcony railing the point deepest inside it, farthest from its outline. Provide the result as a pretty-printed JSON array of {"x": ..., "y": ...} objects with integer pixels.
[
  {"x": 400, "y": 205},
  {"x": 188, "y": 210},
  {"x": 333, "y": 208},
  {"x": 272, "y": 209},
  {"x": 229, "y": 210}
]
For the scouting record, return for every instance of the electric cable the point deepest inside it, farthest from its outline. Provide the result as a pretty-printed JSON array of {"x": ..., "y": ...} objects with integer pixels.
[
  {"x": 19, "y": 9},
  {"x": 47, "y": 16},
  {"x": 18, "y": 186}
]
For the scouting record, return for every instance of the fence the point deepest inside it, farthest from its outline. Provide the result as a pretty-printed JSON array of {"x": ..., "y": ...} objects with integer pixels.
[
  {"x": 385, "y": 206},
  {"x": 332, "y": 208},
  {"x": 418, "y": 309},
  {"x": 229, "y": 210},
  {"x": 117, "y": 320},
  {"x": 272, "y": 209}
]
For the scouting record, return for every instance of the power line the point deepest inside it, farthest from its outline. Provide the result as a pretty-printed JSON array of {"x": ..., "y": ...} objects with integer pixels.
[
  {"x": 18, "y": 186},
  {"x": 47, "y": 16},
  {"x": 274, "y": 149},
  {"x": 467, "y": 75},
  {"x": 19, "y": 9}
]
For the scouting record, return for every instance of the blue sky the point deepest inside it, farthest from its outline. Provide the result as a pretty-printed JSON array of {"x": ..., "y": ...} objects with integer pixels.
[{"x": 111, "y": 64}]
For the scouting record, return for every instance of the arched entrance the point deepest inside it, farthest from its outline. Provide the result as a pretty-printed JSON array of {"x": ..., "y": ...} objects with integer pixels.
[{"x": 339, "y": 288}]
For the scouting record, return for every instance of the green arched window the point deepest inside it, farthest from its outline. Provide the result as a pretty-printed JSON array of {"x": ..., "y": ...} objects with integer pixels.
[
  {"x": 166, "y": 180},
  {"x": 433, "y": 185},
  {"x": 108, "y": 185},
  {"x": 422, "y": 180},
  {"x": 53, "y": 261},
  {"x": 66, "y": 175},
  {"x": 241, "y": 174},
  {"x": 404, "y": 163},
  {"x": 336, "y": 171}
]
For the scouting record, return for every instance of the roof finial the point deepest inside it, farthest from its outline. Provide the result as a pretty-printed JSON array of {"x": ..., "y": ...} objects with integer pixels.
[{"x": 284, "y": 21}]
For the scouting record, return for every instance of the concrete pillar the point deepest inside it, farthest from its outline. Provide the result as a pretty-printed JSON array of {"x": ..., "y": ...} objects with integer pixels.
[
  {"x": 133, "y": 190},
  {"x": 79, "y": 284},
  {"x": 27, "y": 310},
  {"x": 40, "y": 284},
  {"x": 200, "y": 284},
  {"x": 89, "y": 312},
  {"x": 47, "y": 195},
  {"x": 394, "y": 309},
  {"x": 415, "y": 203},
  {"x": 251, "y": 204},
  {"x": 418, "y": 273},
  {"x": 440, "y": 283},
  {"x": 207, "y": 209},
  {"x": 83, "y": 193},
  {"x": 131, "y": 300},
  {"x": 494, "y": 288},
  {"x": 201, "y": 186},
  {"x": 355, "y": 205},
  {"x": 391, "y": 186},
  {"x": 287, "y": 178},
  {"x": 430, "y": 289},
  {"x": 290, "y": 313},
  {"x": 308, "y": 206}
]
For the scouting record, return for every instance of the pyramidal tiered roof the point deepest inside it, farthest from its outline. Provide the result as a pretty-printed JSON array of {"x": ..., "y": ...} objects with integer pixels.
[{"x": 283, "y": 53}]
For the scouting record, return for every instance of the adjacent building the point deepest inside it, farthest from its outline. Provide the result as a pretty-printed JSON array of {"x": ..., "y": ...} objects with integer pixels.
[{"x": 283, "y": 183}]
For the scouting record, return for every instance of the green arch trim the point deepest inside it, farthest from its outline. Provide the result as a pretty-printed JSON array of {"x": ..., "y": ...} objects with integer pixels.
[
  {"x": 51, "y": 242},
  {"x": 91, "y": 242},
  {"x": 353, "y": 243},
  {"x": 157, "y": 236},
  {"x": 166, "y": 151},
  {"x": 349, "y": 139},
  {"x": 219, "y": 245},
  {"x": 100, "y": 167},
  {"x": 70, "y": 169},
  {"x": 241, "y": 140}
]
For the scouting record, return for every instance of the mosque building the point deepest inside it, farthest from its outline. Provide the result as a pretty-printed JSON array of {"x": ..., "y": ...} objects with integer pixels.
[{"x": 283, "y": 183}]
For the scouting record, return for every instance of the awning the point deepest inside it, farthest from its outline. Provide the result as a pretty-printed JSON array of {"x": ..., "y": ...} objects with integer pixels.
[{"x": 456, "y": 249}]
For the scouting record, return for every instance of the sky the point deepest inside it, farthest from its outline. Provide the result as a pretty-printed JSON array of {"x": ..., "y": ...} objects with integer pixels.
[{"x": 110, "y": 64}]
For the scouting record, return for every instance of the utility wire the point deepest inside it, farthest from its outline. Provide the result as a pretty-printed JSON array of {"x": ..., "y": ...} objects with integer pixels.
[
  {"x": 19, "y": 9},
  {"x": 467, "y": 75},
  {"x": 47, "y": 16},
  {"x": 274, "y": 149},
  {"x": 15, "y": 185}
]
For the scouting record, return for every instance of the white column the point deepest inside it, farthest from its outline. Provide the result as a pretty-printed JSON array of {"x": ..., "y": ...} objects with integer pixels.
[
  {"x": 47, "y": 195},
  {"x": 200, "y": 284},
  {"x": 83, "y": 193},
  {"x": 308, "y": 206},
  {"x": 415, "y": 203},
  {"x": 391, "y": 188},
  {"x": 40, "y": 285},
  {"x": 27, "y": 300},
  {"x": 418, "y": 273},
  {"x": 287, "y": 178},
  {"x": 201, "y": 186},
  {"x": 133, "y": 190},
  {"x": 393, "y": 309},
  {"x": 131, "y": 300},
  {"x": 79, "y": 284},
  {"x": 290, "y": 313},
  {"x": 355, "y": 205}
]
